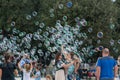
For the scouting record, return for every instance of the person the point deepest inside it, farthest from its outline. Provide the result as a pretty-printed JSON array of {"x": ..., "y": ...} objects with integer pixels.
[
  {"x": 118, "y": 62},
  {"x": 25, "y": 59},
  {"x": 8, "y": 69},
  {"x": 48, "y": 77},
  {"x": 61, "y": 66},
  {"x": 105, "y": 66},
  {"x": 37, "y": 76},
  {"x": 71, "y": 68},
  {"x": 26, "y": 70}
]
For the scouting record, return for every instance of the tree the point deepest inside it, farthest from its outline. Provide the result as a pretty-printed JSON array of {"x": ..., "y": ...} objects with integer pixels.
[{"x": 81, "y": 21}]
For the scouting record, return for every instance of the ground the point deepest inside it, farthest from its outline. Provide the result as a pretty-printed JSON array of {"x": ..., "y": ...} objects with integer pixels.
[{"x": 31, "y": 79}]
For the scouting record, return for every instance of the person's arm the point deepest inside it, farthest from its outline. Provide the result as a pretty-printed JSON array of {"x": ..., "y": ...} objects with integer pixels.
[
  {"x": 98, "y": 69},
  {"x": 63, "y": 51},
  {"x": 67, "y": 65},
  {"x": 20, "y": 67},
  {"x": 0, "y": 74},
  {"x": 98, "y": 72},
  {"x": 116, "y": 71},
  {"x": 77, "y": 65}
]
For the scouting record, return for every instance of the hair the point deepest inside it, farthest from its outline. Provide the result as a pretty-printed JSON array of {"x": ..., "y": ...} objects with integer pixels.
[
  {"x": 7, "y": 57},
  {"x": 38, "y": 68},
  {"x": 72, "y": 54},
  {"x": 27, "y": 67},
  {"x": 49, "y": 76},
  {"x": 57, "y": 56},
  {"x": 106, "y": 51}
]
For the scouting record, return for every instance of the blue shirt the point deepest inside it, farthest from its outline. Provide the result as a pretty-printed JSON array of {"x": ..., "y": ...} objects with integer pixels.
[
  {"x": 38, "y": 75},
  {"x": 107, "y": 65}
]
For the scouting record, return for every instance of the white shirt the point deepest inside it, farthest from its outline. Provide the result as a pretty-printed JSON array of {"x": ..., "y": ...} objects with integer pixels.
[{"x": 26, "y": 75}]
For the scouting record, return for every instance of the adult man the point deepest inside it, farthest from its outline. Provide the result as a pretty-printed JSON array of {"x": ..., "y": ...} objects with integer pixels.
[
  {"x": 8, "y": 69},
  {"x": 106, "y": 67}
]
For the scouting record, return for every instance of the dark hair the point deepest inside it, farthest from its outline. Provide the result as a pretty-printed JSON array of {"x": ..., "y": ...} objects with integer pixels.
[
  {"x": 57, "y": 56},
  {"x": 72, "y": 54},
  {"x": 7, "y": 57}
]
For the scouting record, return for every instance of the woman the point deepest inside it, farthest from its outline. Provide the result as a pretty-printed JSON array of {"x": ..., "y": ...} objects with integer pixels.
[
  {"x": 8, "y": 69},
  {"x": 61, "y": 66},
  {"x": 70, "y": 70}
]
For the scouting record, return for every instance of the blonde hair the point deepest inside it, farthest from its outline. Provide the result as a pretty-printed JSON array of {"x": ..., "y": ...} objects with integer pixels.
[
  {"x": 27, "y": 67},
  {"x": 48, "y": 76}
]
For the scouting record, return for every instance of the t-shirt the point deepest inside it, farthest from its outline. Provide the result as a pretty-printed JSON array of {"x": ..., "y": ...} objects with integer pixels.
[
  {"x": 71, "y": 69},
  {"x": 26, "y": 75},
  {"x": 59, "y": 64},
  {"x": 8, "y": 71},
  {"x": 106, "y": 64},
  {"x": 38, "y": 74}
]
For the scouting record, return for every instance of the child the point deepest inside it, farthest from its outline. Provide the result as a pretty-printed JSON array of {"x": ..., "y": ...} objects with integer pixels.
[
  {"x": 26, "y": 71},
  {"x": 37, "y": 76},
  {"x": 48, "y": 77}
]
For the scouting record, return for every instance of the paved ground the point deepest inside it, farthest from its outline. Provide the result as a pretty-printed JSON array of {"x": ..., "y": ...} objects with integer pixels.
[{"x": 31, "y": 79}]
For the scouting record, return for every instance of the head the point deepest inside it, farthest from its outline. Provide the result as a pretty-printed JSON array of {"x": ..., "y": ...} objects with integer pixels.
[
  {"x": 105, "y": 52},
  {"x": 58, "y": 56},
  {"x": 27, "y": 67},
  {"x": 7, "y": 57},
  {"x": 118, "y": 58},
  {"x": 70, "y": 55},
  {"x": 48, "y": 77},
  {"x": 37, "y": 68}
]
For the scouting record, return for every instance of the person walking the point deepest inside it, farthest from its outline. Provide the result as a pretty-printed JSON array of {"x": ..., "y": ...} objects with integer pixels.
[
  {"x": 8, "y": 69},
  {"x": 105, "y": 66}
]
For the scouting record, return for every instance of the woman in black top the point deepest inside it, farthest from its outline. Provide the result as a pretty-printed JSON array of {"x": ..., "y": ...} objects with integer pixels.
[{"x": 8, "y": 69}]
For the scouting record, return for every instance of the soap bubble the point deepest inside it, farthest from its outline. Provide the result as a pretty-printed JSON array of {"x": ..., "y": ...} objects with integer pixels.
[
  {"x": 0, "y": 31},
  {"x": 60, "y": 6},
  {"x": 112, "y": 42},
  {"x": 1, "y": 36},
  {"x": 98, "y": 41},
  {"x": 52, "y": 15},
  {"x": 100, "y": 34},
  {"x": 119, "y": 41},
  {"x": 113, "y": 0},
  {"x": 40, "y": 45},
  {"x": 83, "y": 22},
  {"x": 34, "y": 13},
  {"x": 51, "y": 10},
  {"x": 41, "y": 25},
  {"x": 77, "y": 19},
  {"x": 100, "y": 48},
  {"x": 112, "y": 26},
  {"x": 64, "y": 18},
  {"x": 90, "y": 30},
  {"x": 37, "y": 23},
  {"x": 28, "y": 17},
  {"x": 13, "y": 23},
  {"x": 40, "y": 52},
  {"x": 69, "y": 4}
]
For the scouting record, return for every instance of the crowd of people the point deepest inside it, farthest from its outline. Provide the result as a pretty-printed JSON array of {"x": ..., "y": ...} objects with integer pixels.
[{"x": 67, "y": 66}]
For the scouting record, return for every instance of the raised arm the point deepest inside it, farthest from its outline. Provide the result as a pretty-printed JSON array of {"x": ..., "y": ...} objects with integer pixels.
[
  {"x": 0, "y": 74},
  {"x": 63, "y": 51},
  {"x": 20, "y": 67}
]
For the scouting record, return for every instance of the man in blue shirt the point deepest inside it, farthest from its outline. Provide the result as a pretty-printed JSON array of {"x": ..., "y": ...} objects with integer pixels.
[{"x": 106, "y": 67}]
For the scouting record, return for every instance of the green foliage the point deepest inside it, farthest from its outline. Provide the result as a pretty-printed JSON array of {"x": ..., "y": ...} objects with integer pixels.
[{"x": 100, "y": 14}]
